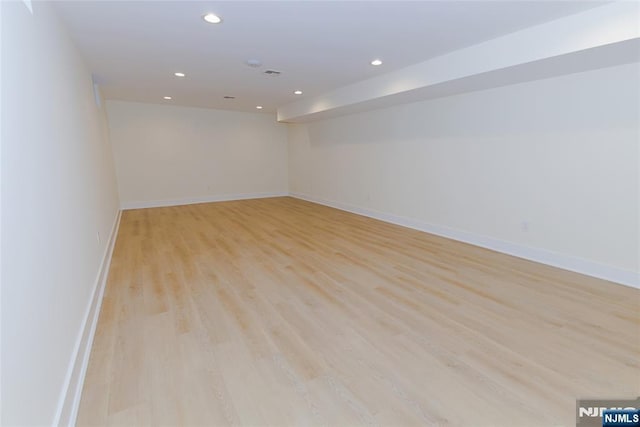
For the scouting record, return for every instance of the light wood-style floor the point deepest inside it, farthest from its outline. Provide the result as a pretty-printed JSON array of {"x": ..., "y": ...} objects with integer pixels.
[{"x": 282, "y": 312}]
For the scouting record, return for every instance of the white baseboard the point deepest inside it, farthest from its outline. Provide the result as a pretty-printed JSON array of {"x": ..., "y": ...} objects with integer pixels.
[
  {"x": 72, "y": 392},
  {"x": 205, "y": 199},
  {"x": 543, "y": 256}
]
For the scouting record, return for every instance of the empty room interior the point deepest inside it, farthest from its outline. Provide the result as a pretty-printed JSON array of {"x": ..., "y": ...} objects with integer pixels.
[{"x": 305, "y": 213}]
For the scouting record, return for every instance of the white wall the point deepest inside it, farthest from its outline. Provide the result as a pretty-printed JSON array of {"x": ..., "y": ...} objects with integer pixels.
[
  {"x": 170, "y": 155},
  {"x": 560, "y": 155},
  {"x": 58, "y": 192},
  {"x": 598, "y": 37}
]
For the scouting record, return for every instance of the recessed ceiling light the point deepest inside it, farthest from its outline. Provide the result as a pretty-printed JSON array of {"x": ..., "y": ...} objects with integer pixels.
[
  {"x": 179, "y": 74},
  {"x": 212, "y": 18},
  {"x": 376, "y": 62},
  {"x": 297, "y": 92},
  {"x": 259, "y": 107},
  {"x": 167, "y": 97}
]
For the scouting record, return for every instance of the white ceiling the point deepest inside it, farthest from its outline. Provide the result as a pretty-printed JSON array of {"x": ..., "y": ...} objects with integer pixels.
[{"x": 134, "y": 47}]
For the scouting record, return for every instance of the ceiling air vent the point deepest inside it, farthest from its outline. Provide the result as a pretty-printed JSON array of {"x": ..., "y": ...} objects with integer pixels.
[{"x": 272, "y": 73}]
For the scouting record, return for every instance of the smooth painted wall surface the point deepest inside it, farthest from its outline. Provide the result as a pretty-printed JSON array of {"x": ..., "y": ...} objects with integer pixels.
[
  {"x": 550, "y": 164},
  {"x": 170, "y": 153},
  {"x": 58, "y": 192}
]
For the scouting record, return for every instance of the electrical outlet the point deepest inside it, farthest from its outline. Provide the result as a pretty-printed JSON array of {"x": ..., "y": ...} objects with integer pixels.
[
  {"x": 98, "y": 236},
  {"x": 524, "y": 226}
]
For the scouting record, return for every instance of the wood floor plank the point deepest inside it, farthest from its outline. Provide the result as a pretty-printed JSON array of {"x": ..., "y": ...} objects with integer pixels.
[{"x": 280, "y": 312}]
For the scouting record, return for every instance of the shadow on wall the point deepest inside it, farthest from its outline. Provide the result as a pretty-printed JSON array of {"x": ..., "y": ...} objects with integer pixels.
[{"x": 511, "y": 111}]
